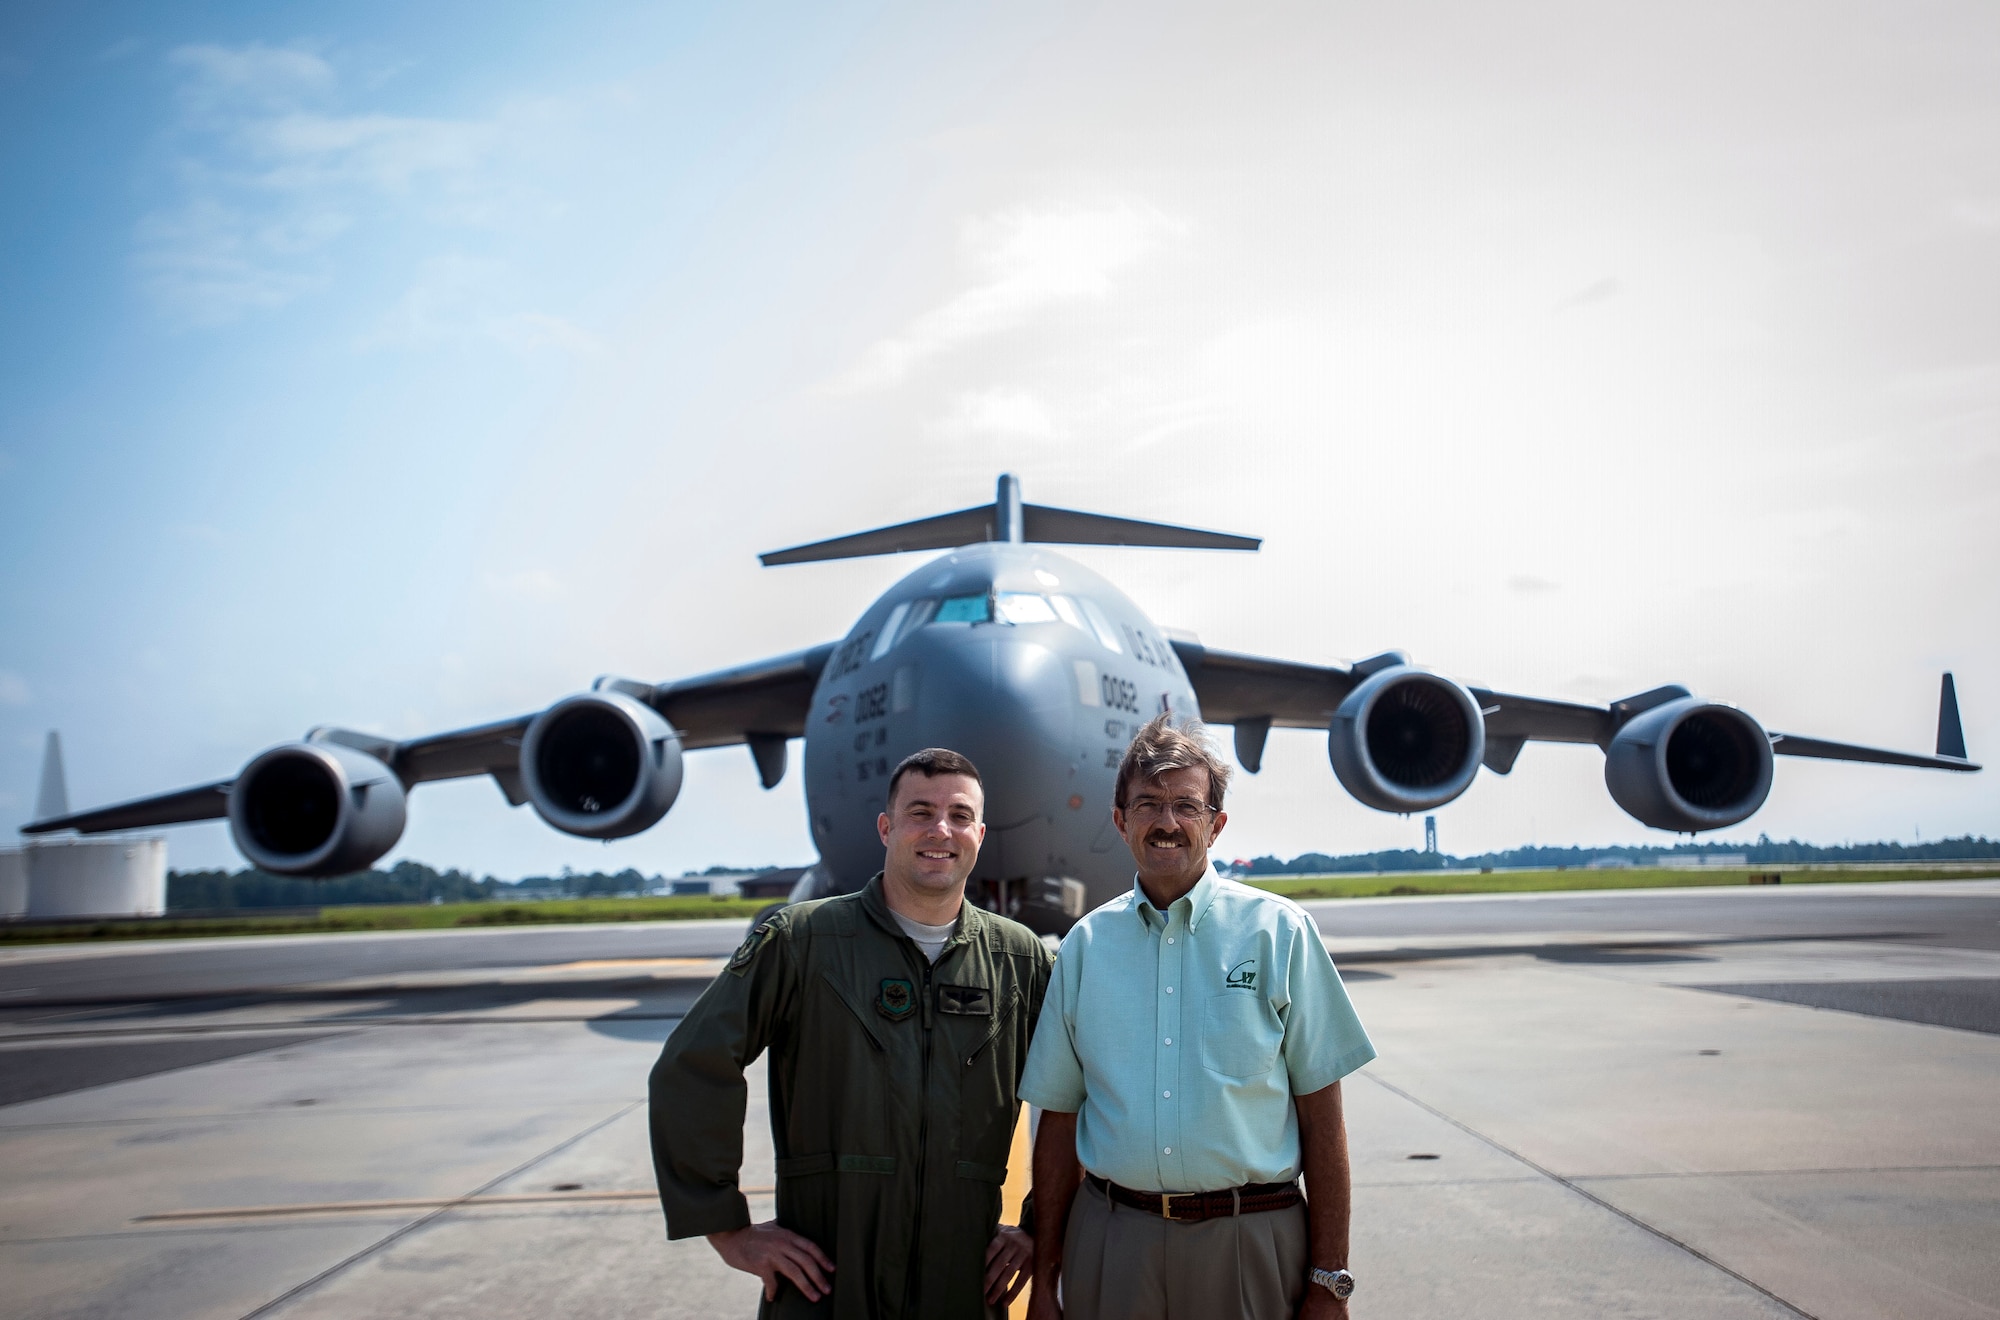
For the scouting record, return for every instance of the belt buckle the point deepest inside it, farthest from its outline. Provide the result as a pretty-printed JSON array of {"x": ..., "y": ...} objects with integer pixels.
[{"x": 1166, "y": 1206}]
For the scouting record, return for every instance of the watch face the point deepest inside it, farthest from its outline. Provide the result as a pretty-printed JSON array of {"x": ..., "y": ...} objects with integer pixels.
[{"x": 1343, "y": 1285}]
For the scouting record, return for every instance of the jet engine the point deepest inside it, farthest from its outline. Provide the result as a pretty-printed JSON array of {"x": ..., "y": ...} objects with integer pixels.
[
  {"x": 315, "y": 809},
  {"x": 1407, "y": 740},
  {"x": 601, "y": 765},
  {"x": 1689, "y": 765}
]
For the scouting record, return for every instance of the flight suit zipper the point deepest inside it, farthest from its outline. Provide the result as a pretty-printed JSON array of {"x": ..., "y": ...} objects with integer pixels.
[{"x": 913, "y": 1286}]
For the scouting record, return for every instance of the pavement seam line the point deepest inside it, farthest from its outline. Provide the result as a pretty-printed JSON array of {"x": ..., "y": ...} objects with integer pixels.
[
  {"x": 1594, "y": 1199},
  {"x": 300, "y": 1290}
]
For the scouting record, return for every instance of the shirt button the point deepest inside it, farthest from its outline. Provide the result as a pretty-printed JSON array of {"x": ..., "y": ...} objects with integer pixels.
[
  {"x": 1168, "y": 1094},
  {"x": 1170, "y": 1040},
  {"x": 1170, "y": 989},
  {"x": 1169, "y": 1150},
  {"x": 1170, "y": 939}
]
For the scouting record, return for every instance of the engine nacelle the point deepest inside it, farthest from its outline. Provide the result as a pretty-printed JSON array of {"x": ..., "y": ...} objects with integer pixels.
[
  {"x": 1407, "y": 740},
  {"x": 1689, "y": 765},
  {"x": 315, "y": 809},
  {"x": 601, "y": 765}
]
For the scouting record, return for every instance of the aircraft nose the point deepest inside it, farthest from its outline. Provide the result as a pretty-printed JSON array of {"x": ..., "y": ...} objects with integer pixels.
[{"x": 1009, "y": 706}]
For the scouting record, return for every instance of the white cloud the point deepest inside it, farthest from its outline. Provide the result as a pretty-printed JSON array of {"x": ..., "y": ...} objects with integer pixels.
[
  {"x": 1000, "y": 414},
  {"x": 270, "y": 173},
  {"x": 1031, "y": 260},
  {"x": 538, "y": 585},
  {"x": 13, "y": 689},
  {"x": 455, "y": 298},
  {"x": 220, "y": 79}
]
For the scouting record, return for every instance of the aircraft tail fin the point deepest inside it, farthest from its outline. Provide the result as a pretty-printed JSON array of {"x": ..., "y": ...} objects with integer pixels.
[
  {"x": 1008, "y": 519},
  {"x": 52, "y": 795}
]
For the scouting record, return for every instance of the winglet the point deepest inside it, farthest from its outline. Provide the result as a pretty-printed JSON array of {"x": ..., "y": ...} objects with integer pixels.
[{"x": 1951, "y": 734}]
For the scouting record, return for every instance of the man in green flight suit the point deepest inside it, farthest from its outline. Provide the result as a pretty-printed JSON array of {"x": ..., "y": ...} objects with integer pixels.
[{"x": 898, "y": 1021}]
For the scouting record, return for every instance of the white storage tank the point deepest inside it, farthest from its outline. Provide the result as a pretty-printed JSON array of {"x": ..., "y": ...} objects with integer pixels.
[
  {"x": 119, "y": 877},
  {"x": 13, "y": 883}
]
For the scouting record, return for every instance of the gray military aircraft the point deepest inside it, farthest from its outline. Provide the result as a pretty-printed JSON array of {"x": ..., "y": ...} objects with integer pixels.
[{"x": 1032, "y": 665}]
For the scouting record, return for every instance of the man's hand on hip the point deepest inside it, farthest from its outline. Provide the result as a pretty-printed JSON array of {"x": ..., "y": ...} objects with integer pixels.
[
  {"x": 1010, "y": 1260},
  {"x": 768, "y": 1251}
]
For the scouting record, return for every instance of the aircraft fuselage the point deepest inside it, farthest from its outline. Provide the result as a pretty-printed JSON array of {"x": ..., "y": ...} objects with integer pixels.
[{"x": 1030, "y": 664}]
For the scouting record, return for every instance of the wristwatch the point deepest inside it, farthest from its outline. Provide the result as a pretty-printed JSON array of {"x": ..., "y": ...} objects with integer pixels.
[{"x": 1338, "y": 1282}]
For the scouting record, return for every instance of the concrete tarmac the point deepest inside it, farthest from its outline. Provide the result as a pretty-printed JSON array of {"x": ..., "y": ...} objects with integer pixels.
[{"x": 1705, "y": 1103}]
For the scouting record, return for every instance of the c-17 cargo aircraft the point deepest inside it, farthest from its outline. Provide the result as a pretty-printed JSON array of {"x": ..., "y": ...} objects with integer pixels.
[{"x": 1032, "y": 665}]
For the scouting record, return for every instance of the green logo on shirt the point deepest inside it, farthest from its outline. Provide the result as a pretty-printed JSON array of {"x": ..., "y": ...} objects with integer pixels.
[
  {"x": 897, "y": 1000},
  {"x": 1243, "y": 976}
]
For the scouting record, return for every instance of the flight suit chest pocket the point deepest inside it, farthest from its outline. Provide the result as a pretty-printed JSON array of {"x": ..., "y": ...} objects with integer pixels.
[{"x": 1240, "y": 1034}]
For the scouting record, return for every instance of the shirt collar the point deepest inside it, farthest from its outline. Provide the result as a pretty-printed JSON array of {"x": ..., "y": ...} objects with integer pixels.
[
  {"x": 971, "y": 917},
  {"x": 1194, "y": 902}
]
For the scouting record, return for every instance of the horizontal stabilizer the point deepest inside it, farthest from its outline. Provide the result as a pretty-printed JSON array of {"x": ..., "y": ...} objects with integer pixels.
[
  {"x": 1069, "y": 527},
  {"x": 946, "y": 531},
  {"x": 1008, "y": 519}
]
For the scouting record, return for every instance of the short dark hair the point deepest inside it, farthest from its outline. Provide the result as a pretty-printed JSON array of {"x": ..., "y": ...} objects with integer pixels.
[
  {"x": 1162, "y": 746},
  {"x": 930, "y": 763}
]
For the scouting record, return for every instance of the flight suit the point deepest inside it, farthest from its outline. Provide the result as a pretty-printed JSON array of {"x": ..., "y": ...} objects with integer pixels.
[{"x": 892, "y": 1084}]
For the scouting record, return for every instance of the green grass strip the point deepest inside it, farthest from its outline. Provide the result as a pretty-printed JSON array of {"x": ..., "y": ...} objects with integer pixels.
[{"x": 394, "y": 916}]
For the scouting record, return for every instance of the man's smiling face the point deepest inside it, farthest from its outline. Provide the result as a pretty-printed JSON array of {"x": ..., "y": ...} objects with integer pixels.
[
  {"x": 1167, "y": 825},
  {"x": 931, "y": 834}
]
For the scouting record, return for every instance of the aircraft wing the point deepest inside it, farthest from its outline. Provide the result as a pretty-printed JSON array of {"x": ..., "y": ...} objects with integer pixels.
[
  {"x": 1256, "y": 693},
  {"x": 761, "y": 704},
  {"x": 202, "y": 802}
]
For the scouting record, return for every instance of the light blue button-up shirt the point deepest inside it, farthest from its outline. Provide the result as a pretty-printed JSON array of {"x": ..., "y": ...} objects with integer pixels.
[{"x": 1179, "y": 1038}]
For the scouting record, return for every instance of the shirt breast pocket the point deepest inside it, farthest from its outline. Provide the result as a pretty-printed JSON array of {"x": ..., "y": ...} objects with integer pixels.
[{"x": 1239, "y": 1034}]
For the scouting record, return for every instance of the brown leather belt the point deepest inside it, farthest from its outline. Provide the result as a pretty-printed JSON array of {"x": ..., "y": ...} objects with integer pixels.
[{"x": 1249, "y": 1199}]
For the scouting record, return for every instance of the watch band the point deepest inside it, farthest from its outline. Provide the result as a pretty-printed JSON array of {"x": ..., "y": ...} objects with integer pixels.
[{"x": 1338, "y": 1282}]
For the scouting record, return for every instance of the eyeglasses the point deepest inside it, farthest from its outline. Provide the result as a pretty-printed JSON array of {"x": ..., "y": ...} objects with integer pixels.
[{"x": 1183, "y": 808}]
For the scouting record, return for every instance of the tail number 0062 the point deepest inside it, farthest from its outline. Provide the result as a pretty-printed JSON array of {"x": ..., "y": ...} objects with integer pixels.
[{"x": 1118, "y": 694}]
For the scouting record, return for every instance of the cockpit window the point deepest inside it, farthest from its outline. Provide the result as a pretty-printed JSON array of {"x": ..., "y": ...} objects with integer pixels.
[
  {"x": 964, "y": 609},
  {"x": 1101, "y": 625},
  {"x": 1022, "y": 607},
  {"x": 890, "y": 627},
  {"x": 1066, "y": 611}
]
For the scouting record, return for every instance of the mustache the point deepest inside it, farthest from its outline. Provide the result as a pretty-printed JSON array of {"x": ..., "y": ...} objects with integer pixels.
[{"x": 1169, "y": 836}]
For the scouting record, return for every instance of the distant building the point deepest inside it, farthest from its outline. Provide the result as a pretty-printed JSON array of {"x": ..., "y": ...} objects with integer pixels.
[
  {"x": 1695, "y": 861},
  {"x": 49, "y": 879},
  {"x": 771, "y": 884}
]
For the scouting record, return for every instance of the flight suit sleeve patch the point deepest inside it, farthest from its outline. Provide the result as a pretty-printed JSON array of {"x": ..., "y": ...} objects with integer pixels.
[
  {"x": 967, "y": 1000},
  {"x": 746, "y": 952}
]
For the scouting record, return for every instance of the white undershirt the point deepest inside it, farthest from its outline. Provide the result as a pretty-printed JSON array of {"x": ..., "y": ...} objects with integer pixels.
[{"x": 931, "y": 939}]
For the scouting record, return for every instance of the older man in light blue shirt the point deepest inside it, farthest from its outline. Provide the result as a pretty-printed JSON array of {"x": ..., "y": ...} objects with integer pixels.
[{"x": 1188, "y": 1062}]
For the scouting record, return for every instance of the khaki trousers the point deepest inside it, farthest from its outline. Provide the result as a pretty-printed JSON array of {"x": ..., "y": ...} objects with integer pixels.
[{"x": 1124, "y": 1264}]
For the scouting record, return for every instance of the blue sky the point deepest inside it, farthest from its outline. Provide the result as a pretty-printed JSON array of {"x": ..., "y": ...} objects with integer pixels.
[{"x": 407, "y": 366}]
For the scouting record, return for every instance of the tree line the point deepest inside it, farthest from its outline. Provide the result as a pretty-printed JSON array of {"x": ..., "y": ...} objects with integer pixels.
[
  {"x": 405, "y": 882},
  {"x": 1764, "y": 852},
  {"x": 414, "y": 882}
]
